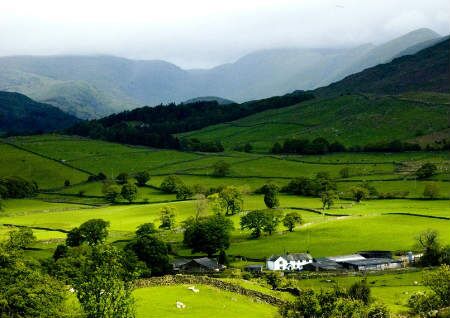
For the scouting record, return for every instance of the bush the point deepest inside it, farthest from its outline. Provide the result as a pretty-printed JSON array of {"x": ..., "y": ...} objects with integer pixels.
[
  {"x": 424, "y": 304},
  {"x": 170, "y": 184},
  {"x": 431, "y": 191},
  {"x": 129, "y": 192},
  {"x": 221, "y": 169},
  {"x": 122, "y": 178},
  {"x": 142, "y": 178},
  {"x": 426, "y": 170},
  {"x": 17, "y": 188}
]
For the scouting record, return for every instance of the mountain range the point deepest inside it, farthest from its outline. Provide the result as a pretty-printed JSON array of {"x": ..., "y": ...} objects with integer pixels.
[{"x": 94, "y": 86}]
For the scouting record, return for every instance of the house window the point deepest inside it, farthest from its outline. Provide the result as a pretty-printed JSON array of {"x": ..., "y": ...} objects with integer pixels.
[{"x": 280, "y": 262}]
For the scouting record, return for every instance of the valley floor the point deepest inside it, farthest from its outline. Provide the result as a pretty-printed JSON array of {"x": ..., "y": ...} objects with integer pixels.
[{"x": 348, "y": 227}]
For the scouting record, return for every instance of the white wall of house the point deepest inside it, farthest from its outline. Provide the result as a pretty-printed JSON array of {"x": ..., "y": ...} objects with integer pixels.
[{"x": 281, "y": 264}]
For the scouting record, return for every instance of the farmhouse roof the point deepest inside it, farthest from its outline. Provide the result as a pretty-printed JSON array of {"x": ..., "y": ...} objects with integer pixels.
[
  {"x": 179, "y": 261},
  {"x": 292, "y": 257},
  {"x": 210, "y": 263},
  {"x": 346, "y": 258},
  {"x": 326, "y": 264}
]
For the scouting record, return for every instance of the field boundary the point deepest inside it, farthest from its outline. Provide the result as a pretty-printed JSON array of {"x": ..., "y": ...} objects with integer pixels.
[
  {"x": 418, "y": 215},
  {"x": 315, "y": 211},
  {"x": 45, "y": 157},
  {"x": 34, "y": 227},
  {"x": 170, "y": 280}
]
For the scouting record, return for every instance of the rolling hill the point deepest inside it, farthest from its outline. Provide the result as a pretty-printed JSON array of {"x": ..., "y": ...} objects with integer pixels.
[
  {"x": 358, "y": 119},
  {"x": 351, "y": 119},
  {"x": 94, "y": 86},
  {"x": 20, "y": 114}
]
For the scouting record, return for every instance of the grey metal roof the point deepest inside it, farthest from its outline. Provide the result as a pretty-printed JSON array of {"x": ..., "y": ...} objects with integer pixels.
[
  {"x": 372, "y": 261},
  {"x": 324, "y": 263},
  {"x": 179, "y": 261},
  {"x": 210, "y": 263},
  {"x": 346, "y": 258}
]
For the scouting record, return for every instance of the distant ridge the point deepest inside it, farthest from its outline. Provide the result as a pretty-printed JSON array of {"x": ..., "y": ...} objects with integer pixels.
[
  {"x": 98, "y": 85},
  {"x": 427, "y": 70},
  {"x": 219, "y": 100},
  {"x": 22, "y": 115}
]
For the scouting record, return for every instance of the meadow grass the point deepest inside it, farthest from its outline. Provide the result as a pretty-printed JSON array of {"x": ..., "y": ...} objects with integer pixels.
[
  {"x": 351, "y": 119},
  {"x": 47, "y": 173},
  {"x": 367, "y": 226},
  {"x": 161, "y": 302}
]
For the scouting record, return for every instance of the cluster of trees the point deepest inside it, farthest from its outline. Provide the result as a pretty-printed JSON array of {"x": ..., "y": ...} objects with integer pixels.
[
  {"x": 322, "y": 146},
  {"x": 16, "y": 187},
  {"x": 356, "y": 301},
  {"x": 91, "y": 267},
  {"x": 434, "y": 253},
  {"x": 267, "y": 221},
  {"x": 121, "y": 187},
  {"x": 429, "y": 303},
  {"x": 26, "y": 290},
  {"x": 154, "y": 126},
  {"x": 311, "y": 187},
  {"x": 307, "y": 147},
  {"x": 426, "y": 171},
  {"x": 209, "y": 234},
  {"x": 174, "y": 185},
  {"x": 193, "y": 144},
  {"x": 226, "y": 199},
  {"x": 247, "y": 147}
]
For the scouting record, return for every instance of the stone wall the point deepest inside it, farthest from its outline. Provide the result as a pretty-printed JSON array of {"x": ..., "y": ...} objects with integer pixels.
[{"x": 205, "y": 280}]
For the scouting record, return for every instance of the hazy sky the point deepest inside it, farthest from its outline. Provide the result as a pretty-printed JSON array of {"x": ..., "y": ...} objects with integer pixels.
[{"x": 203, "y": 33}]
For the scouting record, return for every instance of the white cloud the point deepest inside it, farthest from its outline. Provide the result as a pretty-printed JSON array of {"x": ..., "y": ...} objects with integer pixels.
[{"x": 206, "y": 32}]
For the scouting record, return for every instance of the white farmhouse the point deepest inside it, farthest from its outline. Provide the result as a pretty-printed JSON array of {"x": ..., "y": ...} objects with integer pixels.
[{"x": 288, "y": 262}]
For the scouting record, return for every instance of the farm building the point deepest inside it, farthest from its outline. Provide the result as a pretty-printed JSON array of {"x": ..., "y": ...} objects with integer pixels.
[
  {"x": 323, "y": 264},
  {"x": 355, "y": 262},
  {"x": 346, "y": 258},
  {"x": 197, "y": 265},
  {"x": 373, "y": 264},
  {"x": 254, "y": 268},
  {"x": 288, "y": 262}
]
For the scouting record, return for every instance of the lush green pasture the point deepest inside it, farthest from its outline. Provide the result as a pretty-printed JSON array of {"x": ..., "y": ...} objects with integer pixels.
[
  {"x": 161, "y": 302},
  {"x": 249, "y": 170},
  {"x": 47, "y": 173},
  {"x": 392, "y": 288},
  {"x": 367, "y": 226},
  {"x": 99, "y": 156},
  {"x": 354, "y": 120},
  {"x": 346, "y": 235}
]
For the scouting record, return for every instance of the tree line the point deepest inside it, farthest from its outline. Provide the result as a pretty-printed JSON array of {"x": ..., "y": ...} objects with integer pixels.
[
  {"x": 323, "y": 146},
  {"x": 154, "y": 126}
]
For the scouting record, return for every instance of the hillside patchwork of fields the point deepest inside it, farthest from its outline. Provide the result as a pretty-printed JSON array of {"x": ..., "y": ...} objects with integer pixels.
[
  {"x": 351, "y": 119},
  {"x": 348, "y": 227}
]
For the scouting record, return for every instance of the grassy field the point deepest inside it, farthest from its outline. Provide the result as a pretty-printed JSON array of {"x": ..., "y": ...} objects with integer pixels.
[
  {"x": 48, "y": 173},
  {"x": 351, "y": 119},
  {"x": 392, "y": 288},
  {"x": 348, "y": 227},
  {"x": 161, "y": 302},
  {"x": 367, "y": 226}
]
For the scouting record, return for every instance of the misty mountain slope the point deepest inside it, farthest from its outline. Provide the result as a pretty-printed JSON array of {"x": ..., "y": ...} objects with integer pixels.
[
  {"x": 388, "y": 51},
  {"x": 423, "y": 107},
  {"x": 92, "y": 86},
  {"x": 20, "y": 114},
  {"x": 427, "y": 70}
]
